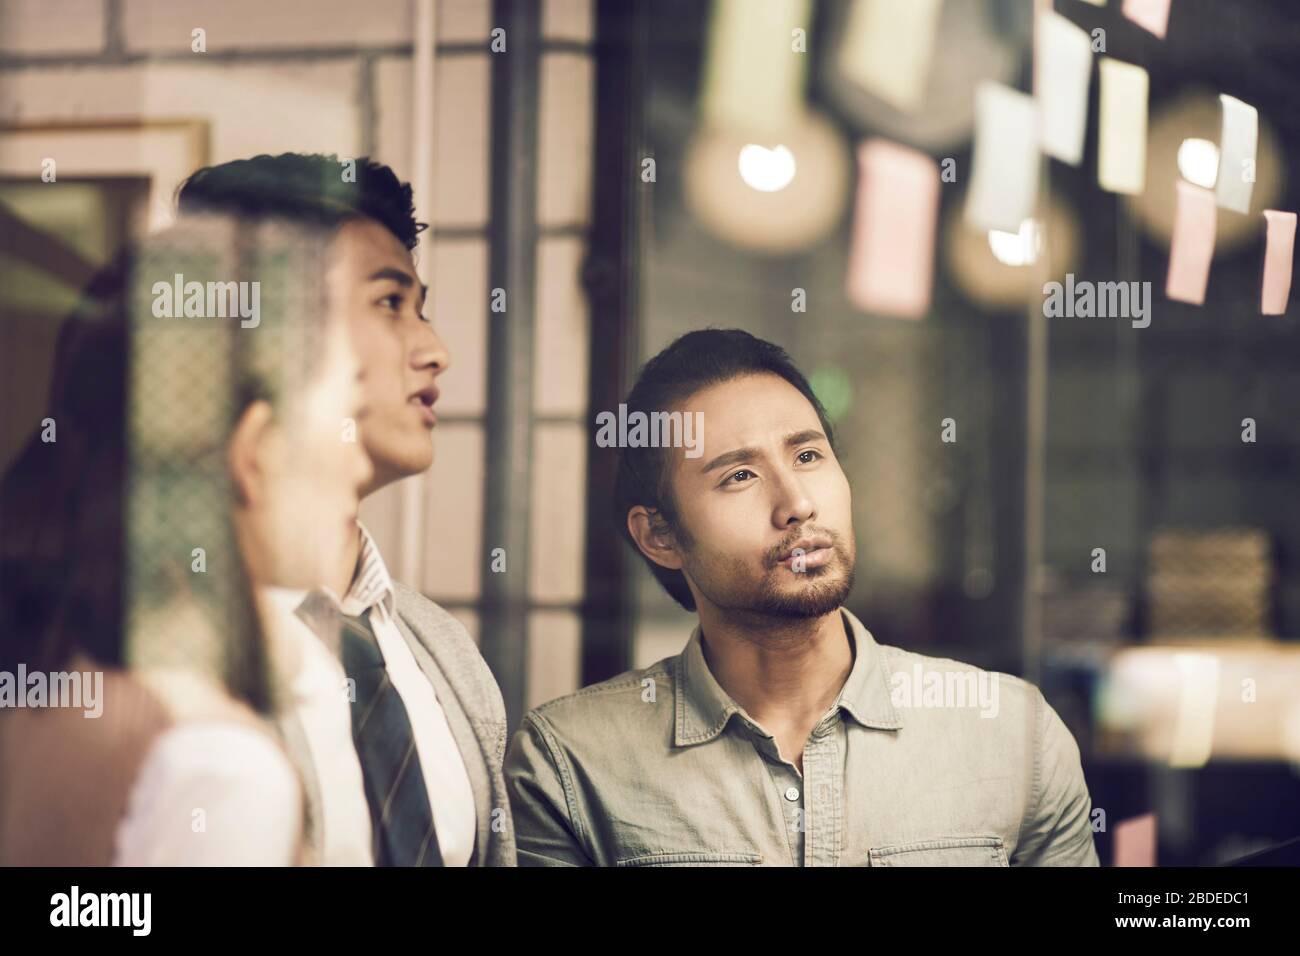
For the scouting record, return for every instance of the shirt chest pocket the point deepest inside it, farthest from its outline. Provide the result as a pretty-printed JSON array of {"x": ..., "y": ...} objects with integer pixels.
[
  {"x": 693, "y": 859},
  {"x": 950, "y": 851}
]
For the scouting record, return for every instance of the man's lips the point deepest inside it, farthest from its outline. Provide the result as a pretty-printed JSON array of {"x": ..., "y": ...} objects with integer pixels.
[
  {"x": 811, "y": 559},
  {"x": 809, "y": 553},
  {"x": 423, "y": 401}
]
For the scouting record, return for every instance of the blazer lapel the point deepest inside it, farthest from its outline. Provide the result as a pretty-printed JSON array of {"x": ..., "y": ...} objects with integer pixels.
[{"x": 467, "y": 739}]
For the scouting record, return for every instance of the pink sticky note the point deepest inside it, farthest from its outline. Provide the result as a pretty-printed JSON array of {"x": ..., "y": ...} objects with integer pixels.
[
  {"x": 1277, "y": 261},
  {"x": 1135, "y": 841},
  {"x": 891, "y": 255},
  {"x": 1150, "y": 15},
  {"x": 1192, "y": 245}
]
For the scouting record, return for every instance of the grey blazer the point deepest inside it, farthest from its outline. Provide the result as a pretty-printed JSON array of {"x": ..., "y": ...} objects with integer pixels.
[{"x": 471, "y": 699}]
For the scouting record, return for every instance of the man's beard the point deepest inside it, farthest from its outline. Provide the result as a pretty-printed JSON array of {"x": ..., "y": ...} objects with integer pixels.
[
  {"x": 814, "y": 599},
  {"x": 819, "y": 591}
]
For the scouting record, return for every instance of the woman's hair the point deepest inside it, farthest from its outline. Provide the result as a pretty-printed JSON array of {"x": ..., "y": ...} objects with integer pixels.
[
  {"x": 61, "y": 499},
  {"x": 117, "y": 537}
]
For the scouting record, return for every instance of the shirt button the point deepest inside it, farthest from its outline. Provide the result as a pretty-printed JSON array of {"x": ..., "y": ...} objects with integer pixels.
[{"x": 792, "y": 794}]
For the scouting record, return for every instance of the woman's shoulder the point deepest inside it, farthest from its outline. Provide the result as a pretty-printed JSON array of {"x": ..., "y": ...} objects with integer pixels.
[{"x": 212, "y": 792}]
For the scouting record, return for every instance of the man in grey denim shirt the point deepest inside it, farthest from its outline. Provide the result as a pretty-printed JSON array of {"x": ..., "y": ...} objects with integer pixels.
[{"x": 783, "y": 734}]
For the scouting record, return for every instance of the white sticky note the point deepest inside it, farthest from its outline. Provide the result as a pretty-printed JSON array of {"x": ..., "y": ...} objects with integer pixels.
[
  {"x": 1192, "y": 245},
  {"x": 753, "y": 75},
  {"x": 1004, "y": 177},
  {"x": 1277, "y": 261},
  {"x": 1062, "y": 71},
  {"x": 891, "y": 256},
  {"x": 1122, "y": 127},
  {"x": 887, "y": 47},
  {"x": 1237, "y": 142},
  {"x": 1150, "y": 15}
]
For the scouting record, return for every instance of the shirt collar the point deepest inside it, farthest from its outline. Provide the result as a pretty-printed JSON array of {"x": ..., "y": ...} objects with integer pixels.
[
  {"x": 371, "y": 584},
  {"x": 284, "y": 599},
  {"x": 319, "y": 608},
  {"x": 703, "y": 707},
  {"x": 287, "y": 626}
]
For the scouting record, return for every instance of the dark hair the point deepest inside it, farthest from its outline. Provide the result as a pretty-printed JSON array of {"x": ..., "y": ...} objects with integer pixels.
[
  {"x": 64, "y": 499},
  {"x": 305, "y": 188},
  {"x": 693, "y": 362}
]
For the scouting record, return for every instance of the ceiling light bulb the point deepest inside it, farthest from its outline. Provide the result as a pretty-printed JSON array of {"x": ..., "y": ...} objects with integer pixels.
[
  {"x": 1198, "y": 161},
  {"x": 1017, "y": 248},
  {"x": 767, "y": 170}
]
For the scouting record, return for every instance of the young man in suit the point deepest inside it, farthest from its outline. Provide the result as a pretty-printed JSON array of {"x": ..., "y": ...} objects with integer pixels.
[
  {"x": 783, "y": 734},
  {"x": 428, "y": 721}
]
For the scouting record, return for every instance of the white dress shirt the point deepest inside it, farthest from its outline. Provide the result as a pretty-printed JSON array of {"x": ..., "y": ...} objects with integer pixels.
[
  {"x": 451, "y": 797},
  {"x": 318, "y": 698},
  {"x": 211, "y": 793}
]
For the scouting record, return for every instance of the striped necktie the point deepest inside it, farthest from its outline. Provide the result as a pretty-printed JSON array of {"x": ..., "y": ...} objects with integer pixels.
[{"x": 399, "y": 803}]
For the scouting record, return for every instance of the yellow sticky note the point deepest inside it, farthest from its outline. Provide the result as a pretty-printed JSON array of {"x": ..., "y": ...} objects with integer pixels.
[
  {"x": 891, "y": 258},
  {"x": 1122, "y": 127},
  {"x": 887, "y": 47},
  {"x": 754, "y": 75}
]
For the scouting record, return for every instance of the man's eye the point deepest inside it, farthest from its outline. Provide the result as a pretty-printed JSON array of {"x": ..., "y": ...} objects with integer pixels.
[
  {"x": 806, "y": 452},
  {"x": 731, "y": 479},
  {"x": 395, "y": 299}
]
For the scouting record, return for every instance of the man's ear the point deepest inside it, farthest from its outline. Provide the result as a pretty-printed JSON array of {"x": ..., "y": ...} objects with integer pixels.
[
  {"x": 246, "y": 453},
  {"x": 653, "y": 537}
]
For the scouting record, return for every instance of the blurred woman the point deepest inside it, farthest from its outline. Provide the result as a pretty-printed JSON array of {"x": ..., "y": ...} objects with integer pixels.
[{"x": 146, "y": 541}]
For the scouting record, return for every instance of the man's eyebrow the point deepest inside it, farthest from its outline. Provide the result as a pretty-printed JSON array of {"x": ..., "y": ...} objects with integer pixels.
[
  {"x": 397, "y": 275},
  {"x": 807, "y": 435},
  {"x": 746, "y": 454},
  {"x": 403, "y": 279},
  {"x": 731, "y": 458}
]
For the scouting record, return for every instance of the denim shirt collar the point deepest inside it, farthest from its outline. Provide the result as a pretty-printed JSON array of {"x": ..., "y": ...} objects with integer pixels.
[{"x": 704, "y": 708}]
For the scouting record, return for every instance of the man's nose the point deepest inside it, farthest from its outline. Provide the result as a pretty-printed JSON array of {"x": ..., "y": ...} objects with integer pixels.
[
  {"x": 793, "y": 505},
  {"x": 430, "y": 352}
]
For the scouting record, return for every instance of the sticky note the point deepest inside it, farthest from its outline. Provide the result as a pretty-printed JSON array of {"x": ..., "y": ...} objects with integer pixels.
[
  {"x": 887, "y": 48},
  {"x": 1122, "y": 127},
  {"x": 1150, "y": 15},
  {"x": 891, "y": 255},
  {"x": 1004, "y": 177},
  {"x": 1062, "y": 71},
  {"x": 1237, "y": 140},
  {"x": 1198, "y": 698},
  {"x": 753, "y": 75},
  {"x": 1135, "y": 841},
  {"x": 1277, "y": 261},
  {"x": 1192, "y": 245}
]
